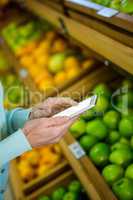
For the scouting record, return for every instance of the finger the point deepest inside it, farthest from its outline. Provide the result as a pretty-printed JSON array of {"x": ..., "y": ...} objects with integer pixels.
[{"x": 54, "y": 121}]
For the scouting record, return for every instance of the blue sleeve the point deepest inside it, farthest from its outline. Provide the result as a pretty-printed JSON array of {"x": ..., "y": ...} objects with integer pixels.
[
  {"x": 16, "y": 119},
  {"x": 13, "y": 146}
]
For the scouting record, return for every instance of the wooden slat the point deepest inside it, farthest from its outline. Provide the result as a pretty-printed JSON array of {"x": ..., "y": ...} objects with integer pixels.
[
  {"x": 62, "y": 180},
  {"x": 111, "y": 49},
  {"x": 124, "y": 21}
]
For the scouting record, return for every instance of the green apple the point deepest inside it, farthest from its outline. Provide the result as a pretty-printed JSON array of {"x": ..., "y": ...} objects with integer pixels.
[
  {"x": 113, "y": 137},
  {"x": 115, "y": 4},
  {"x": 99, "y": 154},
  {"x": 87, "y": 141},
  {"x": 58, "y": 194},
  {"x": 97, "y": 128},
  {"x": 124, "y": 140},
  {"x": 111, "y": 119},
  {"x": 56, "y": 62},
  {"x": 123, "y": 189},
  {"x": 120, "y": 145},
  {"x": 127, "y": 6},
  {"x": 102, "y": 105},
  {"x": 126, "y": 127},
  {"x": 112, "y": 173},
  {"x": 78, "y": 128},
  {"x": 121, "y": 156},
  {"x": 70, "y": 196},
  {"x": 74, "y": 186},
  {"x": 129, "y": 172},
  {"x": 102, "y": 90}
]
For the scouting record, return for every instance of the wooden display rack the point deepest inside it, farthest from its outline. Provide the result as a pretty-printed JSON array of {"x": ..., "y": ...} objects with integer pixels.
[
  {"x": 22, "y": 190},
  {"x": 100, "y": 43}
]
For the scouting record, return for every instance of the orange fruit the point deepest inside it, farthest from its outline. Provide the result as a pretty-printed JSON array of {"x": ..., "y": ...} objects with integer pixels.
[
  {"x": 73, "y": 72},
  {"x": 71, "y": 62},
  {"x": 46, "y": 85},
  {"x": 45, "y": 46},
  {"x": 59, "y": 45},
  {"x": 60, "y": 77},
  {"x": 43, "y": 60}
]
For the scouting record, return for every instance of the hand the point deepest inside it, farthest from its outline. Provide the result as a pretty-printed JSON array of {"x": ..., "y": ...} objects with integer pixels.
[
  {"x": 45, "y": 131},
  {"x": 51, "y": 106}
]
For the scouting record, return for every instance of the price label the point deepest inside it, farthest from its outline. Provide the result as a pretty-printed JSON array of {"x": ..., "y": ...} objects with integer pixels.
[
  {"x": 76, "y": 150},
  {"x": 108, "y": 12},
  {"x": 87, "y": 4},
  {"x": 23, "y": 73}
]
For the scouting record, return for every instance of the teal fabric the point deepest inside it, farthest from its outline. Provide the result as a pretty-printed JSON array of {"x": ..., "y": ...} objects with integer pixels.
[{"x": 12, "y": 140}]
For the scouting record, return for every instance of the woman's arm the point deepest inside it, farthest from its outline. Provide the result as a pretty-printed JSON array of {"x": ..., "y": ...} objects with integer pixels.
[{"x": 16, "y": 119}]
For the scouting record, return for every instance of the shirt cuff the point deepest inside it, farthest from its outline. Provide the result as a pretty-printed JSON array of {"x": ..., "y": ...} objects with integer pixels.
[
  {"x": 17, "y": 118},
  {"x": 13, "y": 146}
]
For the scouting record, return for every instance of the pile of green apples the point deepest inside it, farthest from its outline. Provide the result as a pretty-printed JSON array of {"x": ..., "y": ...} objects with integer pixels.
[
  {"x": 106, "y": 134},
  {"x": 73, "y": 191},
  {"x": 125, "y": 6},
  {"x": 17, "y": 35}
]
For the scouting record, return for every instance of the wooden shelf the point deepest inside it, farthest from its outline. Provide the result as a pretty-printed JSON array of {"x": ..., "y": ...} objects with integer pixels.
[
  {"x": 112, "y": 50},
  {"x": 121, "y": 20}
]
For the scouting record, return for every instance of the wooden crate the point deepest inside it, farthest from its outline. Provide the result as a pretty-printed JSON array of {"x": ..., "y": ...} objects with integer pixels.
[
  {"x": 56, "y": 4},
  {"x": 22, "y": 190},
  {"x": 62, "y": 180}
]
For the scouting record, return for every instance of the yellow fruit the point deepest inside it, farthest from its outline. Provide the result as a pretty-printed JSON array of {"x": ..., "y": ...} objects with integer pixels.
[
  {"x": 45, "y": 46},
  {"x": 27, "y": 49},
  {"x": 60, "y": 77},
  {"x": 42, "y": 170},
  {"x": 88, "y": 63},
  {"x": 26, "y": 61},
  {"x": 71, "y": 62},
  {"x": 46, "y": 85},
  {"x": 26, "y": 171},
  {"x": 35, "y": 70},
  {"x": 42, "y": 76},
  {"x": 59, "y": 45},
  {"x": 33, "y": 157},
  {"x": 72, "y": 73},
  {"x": 43, "y": 60}
]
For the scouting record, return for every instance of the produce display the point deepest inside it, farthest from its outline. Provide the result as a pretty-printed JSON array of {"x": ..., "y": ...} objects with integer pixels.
[
  {"x": 73, "y": 191},
  {"x": 38, "y": 162},
  {"x": 106, "y": 134},
  {"x": 49, "y": 58},
  {"x": 125, "y": 6}
]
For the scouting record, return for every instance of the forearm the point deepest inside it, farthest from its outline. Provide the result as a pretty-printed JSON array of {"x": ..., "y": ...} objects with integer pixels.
[
  {"x": 13, "y": 146},
  {"x": 16, "y": 119}
]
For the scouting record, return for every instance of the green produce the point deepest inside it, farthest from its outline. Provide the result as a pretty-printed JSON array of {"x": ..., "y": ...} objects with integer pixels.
[
  {"x": 123, "y": 189},
  {"x": 105, "y": 2},
  {"x": 129, "y": 172},
  {"x": 44, "y": 198},
  {"x": 58, "y": 194},
  {"x": 112, "y": 173},
  {"x": 115, "y": 4},
  {"x": 111, "y": 119},
  {"x": 126, "y": 127},
  {"x": 126, "y": 99},
  {"x": 102, "y": 105},
  {"x": 87, "y": 141},
  {"x": 120, "y": 145},
  {"x": 97, "y": 128},
  {"x": 99, "y": 154},
  {"x": 56, "y": 62},
  {"x": 78, "y": 128},
  {"x": 74, "y": 186},
  {"x": 121, "y": 157},
  {"x": 131, "y": 142},
  {"x": 70, "y": 196},
  {"x": 124, "y": 140},
  {"x": 102, "y": 90},
  {"x": 89, "y": 114},
  {"x": 113, "y": 137},
  {"x": 127, "y": 6}
]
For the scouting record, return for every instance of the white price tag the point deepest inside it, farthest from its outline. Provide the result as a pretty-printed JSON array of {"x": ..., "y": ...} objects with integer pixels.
[
  {"x": 23, "y": 73},
  {"x": 76, "y": 150},
  {"x": 87, "y": 4},
  {"x": 108, "y": 12}
]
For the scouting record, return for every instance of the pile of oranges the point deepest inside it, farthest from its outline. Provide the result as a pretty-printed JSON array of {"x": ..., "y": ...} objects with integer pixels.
[
  {"x": 38, "y": 162},
  {"x": 48, "y": 62}
]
